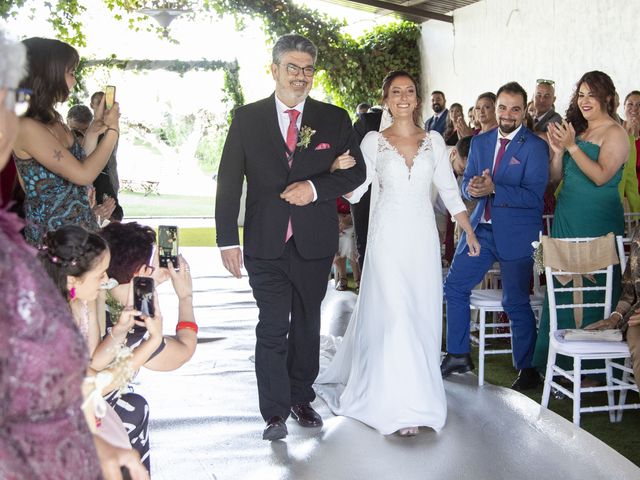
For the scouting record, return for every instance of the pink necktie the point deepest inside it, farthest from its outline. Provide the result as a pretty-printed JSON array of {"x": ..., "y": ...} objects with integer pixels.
[
  {"x": 503, "y": 147},
  {"x": 292, "y": 139}
]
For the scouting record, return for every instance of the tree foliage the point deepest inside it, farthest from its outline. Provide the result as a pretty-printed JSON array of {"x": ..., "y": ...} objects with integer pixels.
[{"x": 350, "y": 69}]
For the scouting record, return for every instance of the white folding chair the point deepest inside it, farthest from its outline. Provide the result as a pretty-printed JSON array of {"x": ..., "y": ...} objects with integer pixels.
[
  {"x": 585, "y": 350},
  {"x": 489, "y": 300}
]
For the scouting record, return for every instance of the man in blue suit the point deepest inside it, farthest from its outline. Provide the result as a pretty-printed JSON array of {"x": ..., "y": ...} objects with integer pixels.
[
  {"x": 440, "y": 114},
  {"x": 507, "y": 172}
]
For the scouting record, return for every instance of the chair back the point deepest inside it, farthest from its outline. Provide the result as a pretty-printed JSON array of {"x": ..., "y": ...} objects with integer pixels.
[{"x": 570, "y": 259}]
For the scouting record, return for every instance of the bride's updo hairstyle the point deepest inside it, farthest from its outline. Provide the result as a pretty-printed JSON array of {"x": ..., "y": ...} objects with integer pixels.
[
  {"x": 70, "y": 251},
  {"x": 602, "y": 88},
  {"x": 386, "y": 84}
]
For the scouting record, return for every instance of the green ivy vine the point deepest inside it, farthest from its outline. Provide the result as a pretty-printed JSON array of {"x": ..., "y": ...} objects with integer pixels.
[{"x": 350, "y": 69}]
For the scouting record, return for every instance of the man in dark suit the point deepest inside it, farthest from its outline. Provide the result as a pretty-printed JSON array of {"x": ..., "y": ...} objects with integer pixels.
[
  {"x": 543, "y": 102},
  {"x": 507, "y": 172},
  {"x": 438, "y": 121},
  {"x": 365, "y": 123},
  {"x": 284, "y": 145}
]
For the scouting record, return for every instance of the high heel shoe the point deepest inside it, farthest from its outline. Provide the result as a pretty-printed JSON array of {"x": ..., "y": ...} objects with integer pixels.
[{"x": 408, "y": 432}]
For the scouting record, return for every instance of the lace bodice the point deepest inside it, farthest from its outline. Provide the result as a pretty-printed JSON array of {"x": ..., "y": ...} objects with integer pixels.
[
  {"x": 400, "y": 190},
  {"x": 52, "y": 201}
]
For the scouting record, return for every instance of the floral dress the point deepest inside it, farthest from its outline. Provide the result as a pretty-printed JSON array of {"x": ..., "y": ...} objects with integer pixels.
[{"x": 52, "y": 201}]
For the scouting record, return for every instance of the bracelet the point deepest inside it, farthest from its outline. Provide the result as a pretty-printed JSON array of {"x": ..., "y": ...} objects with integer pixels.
[
  {"x": 111, "y": 128},
  {"x": 617, "y": 313},
  {"x": 188, "y": 325}
]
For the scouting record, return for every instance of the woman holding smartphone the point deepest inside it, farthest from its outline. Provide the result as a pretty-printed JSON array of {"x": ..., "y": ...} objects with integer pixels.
[{"x": 52, "y": 166}]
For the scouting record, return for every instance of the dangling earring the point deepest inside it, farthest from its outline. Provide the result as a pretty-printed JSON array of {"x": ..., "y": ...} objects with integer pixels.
[{"x": 72, "y": 293}]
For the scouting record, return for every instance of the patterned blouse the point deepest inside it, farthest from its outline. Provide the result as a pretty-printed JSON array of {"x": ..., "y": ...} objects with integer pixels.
[
  {"x": 629, "y": 298},
  {"x": 52, "y": 201},
  {"x": 43, "y": 357}
]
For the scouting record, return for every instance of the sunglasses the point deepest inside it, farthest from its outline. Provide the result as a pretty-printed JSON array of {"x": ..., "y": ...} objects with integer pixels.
[{"x": 544, "y": 81}]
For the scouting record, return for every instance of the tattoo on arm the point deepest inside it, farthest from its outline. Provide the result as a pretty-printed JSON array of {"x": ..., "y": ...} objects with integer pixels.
[{"x": 57, "y": 154}]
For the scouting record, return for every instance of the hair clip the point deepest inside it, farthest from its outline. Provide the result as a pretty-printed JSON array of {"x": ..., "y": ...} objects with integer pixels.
[{"x": 54, "y": 259}]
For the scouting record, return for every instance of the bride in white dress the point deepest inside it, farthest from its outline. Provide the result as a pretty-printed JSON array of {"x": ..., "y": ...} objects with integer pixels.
[{"x": 386, "y": 372}]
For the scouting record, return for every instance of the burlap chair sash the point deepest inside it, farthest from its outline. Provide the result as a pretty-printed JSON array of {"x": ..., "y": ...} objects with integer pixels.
[{"x": 579, "y": 259}]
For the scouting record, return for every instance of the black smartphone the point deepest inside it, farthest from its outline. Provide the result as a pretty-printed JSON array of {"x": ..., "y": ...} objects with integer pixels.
[
  {"x": 168, "y": 245},
  {"x": 109, "y": 96},
  {"x": 143, "y": 296}
]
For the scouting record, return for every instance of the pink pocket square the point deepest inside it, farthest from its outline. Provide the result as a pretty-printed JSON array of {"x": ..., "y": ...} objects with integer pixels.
[
  {"x": 322, "y": 146},
  {"x": 514, "y": 161}
]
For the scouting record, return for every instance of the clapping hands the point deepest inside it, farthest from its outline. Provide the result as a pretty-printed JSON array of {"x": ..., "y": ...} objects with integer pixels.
[
  {"x": 561, "y": 136},
  {"x": 480, "y": 186}
]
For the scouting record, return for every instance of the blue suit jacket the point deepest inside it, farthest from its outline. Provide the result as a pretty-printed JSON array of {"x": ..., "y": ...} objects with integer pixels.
[
  {"x": 440, "y": 126},
  {"x": 520, "y": 183}
]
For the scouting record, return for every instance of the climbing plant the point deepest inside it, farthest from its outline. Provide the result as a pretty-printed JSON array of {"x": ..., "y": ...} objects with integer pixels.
[{"x": 350, "y": 69}]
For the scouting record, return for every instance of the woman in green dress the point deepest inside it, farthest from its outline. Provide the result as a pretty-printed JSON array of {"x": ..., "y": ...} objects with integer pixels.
[{"x": 589, "y": 151}]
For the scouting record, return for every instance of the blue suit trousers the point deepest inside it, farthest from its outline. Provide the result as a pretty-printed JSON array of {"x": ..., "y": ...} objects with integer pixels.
[{"x": 466, "y": 272}]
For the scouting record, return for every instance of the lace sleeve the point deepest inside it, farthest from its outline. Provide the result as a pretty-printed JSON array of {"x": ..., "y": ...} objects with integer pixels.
[{"x": 369, "y": 147}]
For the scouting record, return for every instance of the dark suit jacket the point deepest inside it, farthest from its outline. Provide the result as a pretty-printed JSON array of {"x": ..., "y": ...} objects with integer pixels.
[
  {"x": 550, "y": 117},
  {"x": 256, "y": 150},
  {"x": 440, "y": 125},
  {"x": 520, "y": 182},
  {"x": 366, "y": 123}
]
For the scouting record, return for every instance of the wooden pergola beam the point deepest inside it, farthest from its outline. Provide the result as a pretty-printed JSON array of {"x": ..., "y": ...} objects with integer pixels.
[{"x": 409, "y": 11}]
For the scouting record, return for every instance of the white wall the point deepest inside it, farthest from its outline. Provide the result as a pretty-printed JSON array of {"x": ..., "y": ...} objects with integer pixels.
[{"x": 495, "y": 41}]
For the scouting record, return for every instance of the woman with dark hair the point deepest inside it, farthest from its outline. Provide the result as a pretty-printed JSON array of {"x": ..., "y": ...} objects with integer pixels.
[
  {"x": 131, "y": 247},
  {"x": 43, "y": 433},
  {"x": 589, "y": 152},
  {"x": 396, "y": 325},
  {"x": 77, "y": 261},
  {"x": 451, "y": 134},
  {"x": 53, "y": 169}
]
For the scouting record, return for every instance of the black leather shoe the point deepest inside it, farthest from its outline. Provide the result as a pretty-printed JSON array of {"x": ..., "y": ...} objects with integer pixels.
[
  {"x": 454, "y": 363},
  {"x": 528, "y": 378},
  {"x": 276, "y": 429},
  {"x": 305, "y": 415}
]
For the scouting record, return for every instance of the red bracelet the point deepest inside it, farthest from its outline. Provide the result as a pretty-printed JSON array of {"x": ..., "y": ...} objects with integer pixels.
[{"x": 189, "y": 325}]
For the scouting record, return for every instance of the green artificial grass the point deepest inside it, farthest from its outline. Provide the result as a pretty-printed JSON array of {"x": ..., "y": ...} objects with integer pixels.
[
  {"x": 622, "y": 436},
  {"x": 153, "y": 205},
  {"x": 199, "y": 236}
]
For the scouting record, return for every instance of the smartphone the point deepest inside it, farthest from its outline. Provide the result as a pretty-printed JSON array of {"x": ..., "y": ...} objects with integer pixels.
[
  {"x": 168, "y": 245},
  {"x": 143, "y": 296},
  {"x": 109, "y": 96}
]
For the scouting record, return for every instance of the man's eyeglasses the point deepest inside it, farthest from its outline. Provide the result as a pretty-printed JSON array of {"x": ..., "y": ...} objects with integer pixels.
[
  {"x": 544, "y": 81},
  {"x": 295, "y": 70},
  {"x": 22, "y": 97}
]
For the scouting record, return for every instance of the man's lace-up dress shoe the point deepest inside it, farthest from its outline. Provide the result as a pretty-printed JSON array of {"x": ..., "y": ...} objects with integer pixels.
[
  {"x": 276, "y": 429},
  {"x": 305, "y": 415},
  {"x": 454, "y": 363},
  {"x": 528, "y": 379}
]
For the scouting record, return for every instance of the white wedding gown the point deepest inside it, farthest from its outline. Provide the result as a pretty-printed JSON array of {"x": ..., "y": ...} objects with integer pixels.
[{"x": 386, "y": 371}]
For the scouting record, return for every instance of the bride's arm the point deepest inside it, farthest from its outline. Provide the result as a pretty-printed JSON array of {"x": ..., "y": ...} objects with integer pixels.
[{"x": 369, "y": 148}]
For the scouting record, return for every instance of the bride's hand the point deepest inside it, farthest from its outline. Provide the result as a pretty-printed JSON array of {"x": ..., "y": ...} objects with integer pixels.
[
  {"x": 343, "y": 162},
  {"x": 474, "y": 245}
]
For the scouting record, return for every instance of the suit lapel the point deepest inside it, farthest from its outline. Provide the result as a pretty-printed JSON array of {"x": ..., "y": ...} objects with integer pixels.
[
  {"x": 273, "y": 130},
  {"x": 311, "y": 119}
]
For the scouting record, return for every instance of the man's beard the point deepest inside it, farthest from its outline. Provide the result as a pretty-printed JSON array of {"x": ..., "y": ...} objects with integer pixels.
[
  {"x": 508, "y": 128},
  {"x": 437, "y": 107}
]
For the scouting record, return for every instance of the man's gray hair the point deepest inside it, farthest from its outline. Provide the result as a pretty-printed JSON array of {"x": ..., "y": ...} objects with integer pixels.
[
  {"x": 13, "y": 56},
  {"x": 293, "y": 42}
]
